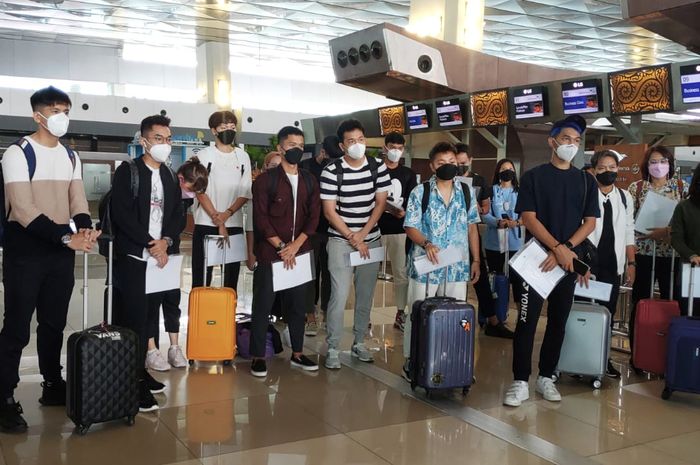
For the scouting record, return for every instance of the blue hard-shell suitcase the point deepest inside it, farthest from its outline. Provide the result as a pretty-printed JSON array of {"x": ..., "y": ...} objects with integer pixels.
[
  {"x": 442, "y": 344},
  {"x": 683, "y": 354}
]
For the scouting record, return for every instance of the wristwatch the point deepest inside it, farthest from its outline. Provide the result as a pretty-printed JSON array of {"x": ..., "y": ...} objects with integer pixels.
[
  {"x": 168, "y": 241},
  {"x": 569, "y": 245},
  {"x": 634, "y": 264},
  {"x": 281, "y": 246},
  {"x": 426, "y": 243},
  {"x": 65, "y": 239}
]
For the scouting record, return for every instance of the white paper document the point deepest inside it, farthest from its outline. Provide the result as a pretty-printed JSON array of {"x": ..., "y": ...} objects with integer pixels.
[
  {"x": 286, "y": 279},
  {"x": 655, "y": 212},
  {"x": 375, "y": 255},
  {"x": 163, "y": 279},
  {"x": 235, "y": 251},
  {"x": 527, "y": 264},
  {"x": 685, "y": 282},
  {"x": 596, "y": 290},
  {"x": 446, "y": 257}
]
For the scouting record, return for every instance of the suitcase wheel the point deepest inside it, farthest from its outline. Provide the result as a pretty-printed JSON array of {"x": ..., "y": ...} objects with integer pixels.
[
  {"x": 428, "y": 393},
  {"x": 82, "y": 429},
  {"x": 666, "y": 394},
  {"x": 227, "y": 363},
  {"x": 413, "y": 385},
  {"x": 465, "y": 390},
  {"x": 130, "y": 420},
  {"x": 190, "y": 362},
  {"x": 597, "y": 383}
]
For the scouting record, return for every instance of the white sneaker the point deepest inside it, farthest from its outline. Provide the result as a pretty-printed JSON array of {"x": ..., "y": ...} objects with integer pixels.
[
  {"x": 517, "y": 393},
  {"x": 176, "y": 358},
  {"x": 156, "y": 361},
  {"x": 362, "y": 352},
  {"x": 286, "y": 338},
  {"x": 546, "y": 387},
  {"x": 332, "y": 359}
]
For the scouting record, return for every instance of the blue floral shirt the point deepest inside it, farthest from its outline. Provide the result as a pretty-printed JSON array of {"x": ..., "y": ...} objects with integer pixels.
[{"x": 443, "y": 225}]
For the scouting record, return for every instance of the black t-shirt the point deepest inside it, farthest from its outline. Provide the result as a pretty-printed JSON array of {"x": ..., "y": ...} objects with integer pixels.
[
  {"x": 485, "y": 189},
  {"x": 403, "y": 180},
  {"x": 311, "y": 165},
  {"x": 557, "y": 197}
]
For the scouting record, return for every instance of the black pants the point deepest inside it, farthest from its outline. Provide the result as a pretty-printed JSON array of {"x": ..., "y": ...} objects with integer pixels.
[
  {"x": 484, "y": 294},
  {"x": 231, "y": 270},
  {"x": 295, "y": 300},
  {"x": 496, "y": 261},
  {"x": 642, "y": 283},
  {"x": 131, "y": 304},
  {"x": 559, "y": 306},
  {"x": 610, "y": 276},
  {"x": 44, "y": 283},
  {"x": 322, "y": 283},
  {"x": 170, "y": 301}
]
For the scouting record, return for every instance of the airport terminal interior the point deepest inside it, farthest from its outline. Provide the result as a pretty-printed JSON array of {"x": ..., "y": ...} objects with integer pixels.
[{"x": 494, "y": 74}]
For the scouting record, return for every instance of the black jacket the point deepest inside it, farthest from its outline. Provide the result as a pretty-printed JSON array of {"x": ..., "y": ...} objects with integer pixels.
[{"x": 130, "y": 218}]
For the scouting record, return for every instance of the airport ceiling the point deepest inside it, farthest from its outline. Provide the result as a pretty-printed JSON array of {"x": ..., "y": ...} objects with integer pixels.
[{"x": 587, "y": 35}]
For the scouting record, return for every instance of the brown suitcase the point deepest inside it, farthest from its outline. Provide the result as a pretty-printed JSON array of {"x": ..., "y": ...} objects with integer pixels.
[{"x": 211, "y": 327}]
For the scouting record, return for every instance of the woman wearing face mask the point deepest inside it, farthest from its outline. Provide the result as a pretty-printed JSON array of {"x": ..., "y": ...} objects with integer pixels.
[
  {"x": 502, "y": 217},
  {"x": 218, "y": 210},
  {"x": 657, "y": 176},
  {"x": 685, "y": 237},
  {"x": 614, "y": 233}
]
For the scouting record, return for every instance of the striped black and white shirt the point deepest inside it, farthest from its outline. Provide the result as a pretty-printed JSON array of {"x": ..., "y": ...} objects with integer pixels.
[{"x": 356, "y": 199}]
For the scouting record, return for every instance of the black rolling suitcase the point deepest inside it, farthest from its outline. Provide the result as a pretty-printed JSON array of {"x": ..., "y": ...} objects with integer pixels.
[{"x": 102, "y": 367}]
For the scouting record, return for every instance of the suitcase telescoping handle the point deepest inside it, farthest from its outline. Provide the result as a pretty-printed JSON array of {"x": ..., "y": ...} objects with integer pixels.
[
  {"x": 207, "y": 238},
  {"x": 444, "y": 289},
  {"x": 653, "y": 271},
  {"x": 107, "y": 316},
  {"x": 691, "y": 291}
]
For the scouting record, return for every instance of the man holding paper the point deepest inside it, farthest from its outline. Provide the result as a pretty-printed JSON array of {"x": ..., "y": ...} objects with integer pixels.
[
  {"x": 354, "y": 192},
  {"x": 448, "y": 223},
  {"x": 558, "y": 204},
  {"x": 286, "y": 208}
]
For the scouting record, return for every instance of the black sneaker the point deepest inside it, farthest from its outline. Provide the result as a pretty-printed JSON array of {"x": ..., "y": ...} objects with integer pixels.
[
  {"x": 498, "y": 330},
  {"x": 154, "y": 386},
  {"x": 147, "y": 403},
  {"x": 304, "y": 362},
  {"x": 11, "y": 419},
  {"x": 612, "y": 372},
  {"x": 53, "y": 393},
  {"x": 258, "y": 367}
]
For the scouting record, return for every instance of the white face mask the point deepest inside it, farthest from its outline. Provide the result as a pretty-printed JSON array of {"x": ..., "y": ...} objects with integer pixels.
[
  {"x": 567, "y": 152},
  {"x": 160, "y": 152},
  {"x": 394, "y": 155},
  {"x": 57, "y": 124},
  {"x": 356, "y": 151}
]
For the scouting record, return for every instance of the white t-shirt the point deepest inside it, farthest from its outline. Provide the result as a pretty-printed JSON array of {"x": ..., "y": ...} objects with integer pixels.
[
  {"x": 229, "y": 178},
  {"x": 155, "y": 223},
  {"x": 294, "y": 180}
]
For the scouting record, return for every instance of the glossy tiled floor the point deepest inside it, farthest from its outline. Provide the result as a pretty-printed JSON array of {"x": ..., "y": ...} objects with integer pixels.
[{"x": 362, "y": 414}]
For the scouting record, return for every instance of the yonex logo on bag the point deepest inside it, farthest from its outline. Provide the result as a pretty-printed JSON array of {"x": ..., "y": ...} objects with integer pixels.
[{"x": 211, "y": 322}]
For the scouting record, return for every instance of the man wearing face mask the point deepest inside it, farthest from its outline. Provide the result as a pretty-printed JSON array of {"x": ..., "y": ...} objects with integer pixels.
[
  {"x": 46, "y": 222},
  {"x": 286, "y": 207},
  {"x": 403, "y": 180},
  {"x": 145, "y": 228},
  {"x": 320, "y": 293},
  {"x": 558, "y": 204},
  {"x": 218, "y": 210},
  {"x": 354, "y": 191},
  {"x": 614, "y": 233}
]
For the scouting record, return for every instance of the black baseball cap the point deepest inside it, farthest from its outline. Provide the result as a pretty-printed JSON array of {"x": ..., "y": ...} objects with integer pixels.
[{"x": 574, "y": 122}]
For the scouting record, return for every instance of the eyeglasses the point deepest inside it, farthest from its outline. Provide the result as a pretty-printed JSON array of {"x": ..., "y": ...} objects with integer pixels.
[
  {"x": 349, "y": 142},
  {"x": 662, "y": 161}
]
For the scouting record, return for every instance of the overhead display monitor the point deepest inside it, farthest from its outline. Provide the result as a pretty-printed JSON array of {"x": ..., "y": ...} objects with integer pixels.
[
  {"x": 489, "y": 108},
  {"x": 417, "y": 116},
  {"x": 449, "y": 113},
  {"x": 530, "y": 102},
  {"x": 582, "y": 96},
  {"x": 690, "y": 83},
  {"x": 644, "y": 90}
]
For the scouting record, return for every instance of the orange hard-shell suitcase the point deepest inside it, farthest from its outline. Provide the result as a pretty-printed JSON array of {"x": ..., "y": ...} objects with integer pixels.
[{"x": 211, "y": 327}]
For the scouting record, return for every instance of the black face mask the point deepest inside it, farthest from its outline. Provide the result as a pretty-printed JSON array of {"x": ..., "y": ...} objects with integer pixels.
[
  {"x": 227, "y": 137},
  {"x": 462, "y": 170},
  {"x": 506, "y": 176},
  {"x": 293, "y": 155},
  {"x": 606, "y": 178},
  {"x": 447, "y": 172}
]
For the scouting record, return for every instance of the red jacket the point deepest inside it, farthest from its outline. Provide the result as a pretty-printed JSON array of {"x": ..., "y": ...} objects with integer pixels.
[{"x": 275, "y": 216}]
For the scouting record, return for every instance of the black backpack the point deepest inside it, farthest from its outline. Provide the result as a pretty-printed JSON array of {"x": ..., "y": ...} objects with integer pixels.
[
  {"x": 30, "y": 156},
  {"x": 104, "y": 211}
]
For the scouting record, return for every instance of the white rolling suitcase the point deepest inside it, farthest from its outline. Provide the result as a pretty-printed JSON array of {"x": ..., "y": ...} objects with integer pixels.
[{"x": 586, "y": 346}]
